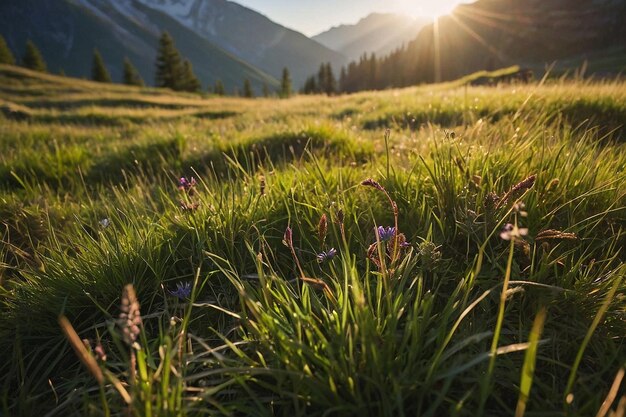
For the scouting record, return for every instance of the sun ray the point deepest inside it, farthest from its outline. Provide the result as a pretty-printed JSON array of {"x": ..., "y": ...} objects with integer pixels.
[{"x": 477, "y": 36}]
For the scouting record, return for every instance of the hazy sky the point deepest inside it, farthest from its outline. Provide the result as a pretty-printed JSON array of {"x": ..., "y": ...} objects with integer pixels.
[{"x": 313, "y": 16}]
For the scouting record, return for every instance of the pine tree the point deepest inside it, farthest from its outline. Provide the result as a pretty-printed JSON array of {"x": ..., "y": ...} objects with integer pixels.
[
  {"x": 310, "y": 87},
  {"x": 266, "y": 90},
  {"x": 6, "y": 57},
  {"x": 99, "y": 72},
  {"x": 32, "y": 58},
  {"x": 131, "y": 75},
  {"x": 189, "y": 81},
  {"x": 247, "y": 89},
  {"x": 168, "y": 65},
  {"x": 321, "y": 79},
  {"x": 343, "y": 77},
  {"x": 330, "y": 87},
  {"x": 219, "y": 88},
  {"x": 285, "y": 84}
]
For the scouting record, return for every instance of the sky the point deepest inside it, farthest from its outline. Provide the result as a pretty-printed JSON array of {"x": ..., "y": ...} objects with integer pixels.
[{"x": 314, "y": 16}]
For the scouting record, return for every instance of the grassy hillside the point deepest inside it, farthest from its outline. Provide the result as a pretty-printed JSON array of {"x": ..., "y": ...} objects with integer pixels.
[{"x": 297, "y": 304}]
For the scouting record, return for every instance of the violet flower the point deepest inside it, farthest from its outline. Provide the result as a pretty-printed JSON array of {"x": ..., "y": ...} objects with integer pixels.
[
  {"x": 182, "y": 291},
  {"x": 326, "y": 256},
  {"x": 385, "y": 233}
]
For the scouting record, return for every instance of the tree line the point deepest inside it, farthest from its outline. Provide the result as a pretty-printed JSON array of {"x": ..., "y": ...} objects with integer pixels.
[
  {"x": 400, "y": 68},
  {"x": 368, "y": 73},
  {"x": 172, "y": 70}
]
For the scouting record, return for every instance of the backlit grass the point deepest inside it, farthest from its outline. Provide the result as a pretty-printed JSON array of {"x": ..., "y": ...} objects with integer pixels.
[{"x": 457, "y": 322}]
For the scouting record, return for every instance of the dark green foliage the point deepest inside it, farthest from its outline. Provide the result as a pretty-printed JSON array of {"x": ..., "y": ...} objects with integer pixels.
[
  {"x": 310, "y": 86},
  {"x": 32, "y": 58},
  {"x": 168, "y": 64},
  {"x": 131, "y": 75},
  {"x": 99, "y": 71},
  {"x": 247, "y": 89},
  {"x": 6, "y": 56},
  {"x": 326, "y": 81},
  {"x": 219, "y": 88},
  {"x": 189, "y": 82},
  {"x": 285, "y": 84},
  {"x": 171, "y": 70}
]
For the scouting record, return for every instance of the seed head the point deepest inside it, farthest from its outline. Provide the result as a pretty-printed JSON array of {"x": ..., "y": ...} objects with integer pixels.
[
  {"x": 288, "y": 237},
  {"x": 371, "y": 183},
  {"x": 551, "y": 234},
  {"x": 517, "y": 190},
  {"x": 322, "y": 228},
  {"x": 130, "y": 316}
]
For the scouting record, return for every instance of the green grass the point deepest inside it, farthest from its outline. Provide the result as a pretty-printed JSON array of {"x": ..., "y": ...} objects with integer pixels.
[{"x": 460, "y": 322}]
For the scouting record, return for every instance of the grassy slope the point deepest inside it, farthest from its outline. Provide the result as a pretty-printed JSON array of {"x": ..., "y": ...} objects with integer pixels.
[{"x": 413, "y": 337}]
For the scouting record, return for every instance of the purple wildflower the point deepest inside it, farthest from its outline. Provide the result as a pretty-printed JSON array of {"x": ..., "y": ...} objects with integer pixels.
[
  {"x": 185, "y": 185},
  {"x": 326, "y": 256},
  {"x": 385, "y": 233},
  {"x": 183, "y": 290}
]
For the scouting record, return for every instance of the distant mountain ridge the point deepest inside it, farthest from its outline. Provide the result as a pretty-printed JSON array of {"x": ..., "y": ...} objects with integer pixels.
[
  {"x": 66, "y": 31},
  {"x": 249, "y": 35},
  {"x": 223, "y": 40},
  {"x": 378, "y": 33}
]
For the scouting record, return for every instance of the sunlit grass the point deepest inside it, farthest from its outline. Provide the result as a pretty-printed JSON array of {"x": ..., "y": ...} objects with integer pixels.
[{"x": 90, "y": 202}]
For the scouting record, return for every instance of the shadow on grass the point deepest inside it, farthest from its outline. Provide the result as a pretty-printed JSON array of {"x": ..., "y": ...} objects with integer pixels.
[
  {"x": 125, "y": 120},
  {"x": 283, "y": 148},
  {"x": 608, "y": 116}
]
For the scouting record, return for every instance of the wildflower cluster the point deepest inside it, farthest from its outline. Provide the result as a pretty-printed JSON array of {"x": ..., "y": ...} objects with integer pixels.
[
  {"x": 187, "y": 185},
  {"x": 394, "y": 242},
  {"x": 188, "y": 188}
]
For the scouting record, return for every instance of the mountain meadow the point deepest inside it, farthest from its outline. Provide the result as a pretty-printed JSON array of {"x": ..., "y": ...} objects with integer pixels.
[{"x": 445, "y": 249}]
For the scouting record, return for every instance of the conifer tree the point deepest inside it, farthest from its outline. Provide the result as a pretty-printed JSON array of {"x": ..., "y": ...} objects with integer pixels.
[
  {"x": 321, "y": 78},
  {"x": 285, "y": 84},
  {"x": 189, "y": 82},
  {"x": 131, "y": 75},
  {"x": 310, "y": 87},
  {"x": 247, "y": 89},
  {"x": 343, "y": 78},
  {"x": 99, "y": 72},
  {"x": 219, "y": 88},
  {"x": 6, "y": 56},
  {"x": 331, "y": 82},
  {"x": 32, "y": 58},
  {"x": 266, "y": 90},
  {"x": 168, "y": 64}
]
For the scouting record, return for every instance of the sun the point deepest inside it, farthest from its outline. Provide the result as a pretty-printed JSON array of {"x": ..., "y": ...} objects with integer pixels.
[{"x": 428, "y": 8}]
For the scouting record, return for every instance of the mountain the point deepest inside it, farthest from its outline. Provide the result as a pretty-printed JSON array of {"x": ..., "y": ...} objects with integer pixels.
[
  {"x": 492, "y": 34},
  {"x": 249, "y": 35},
  {"x": 379, "y": 33},
  {"x": 66, "y": 31}
]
